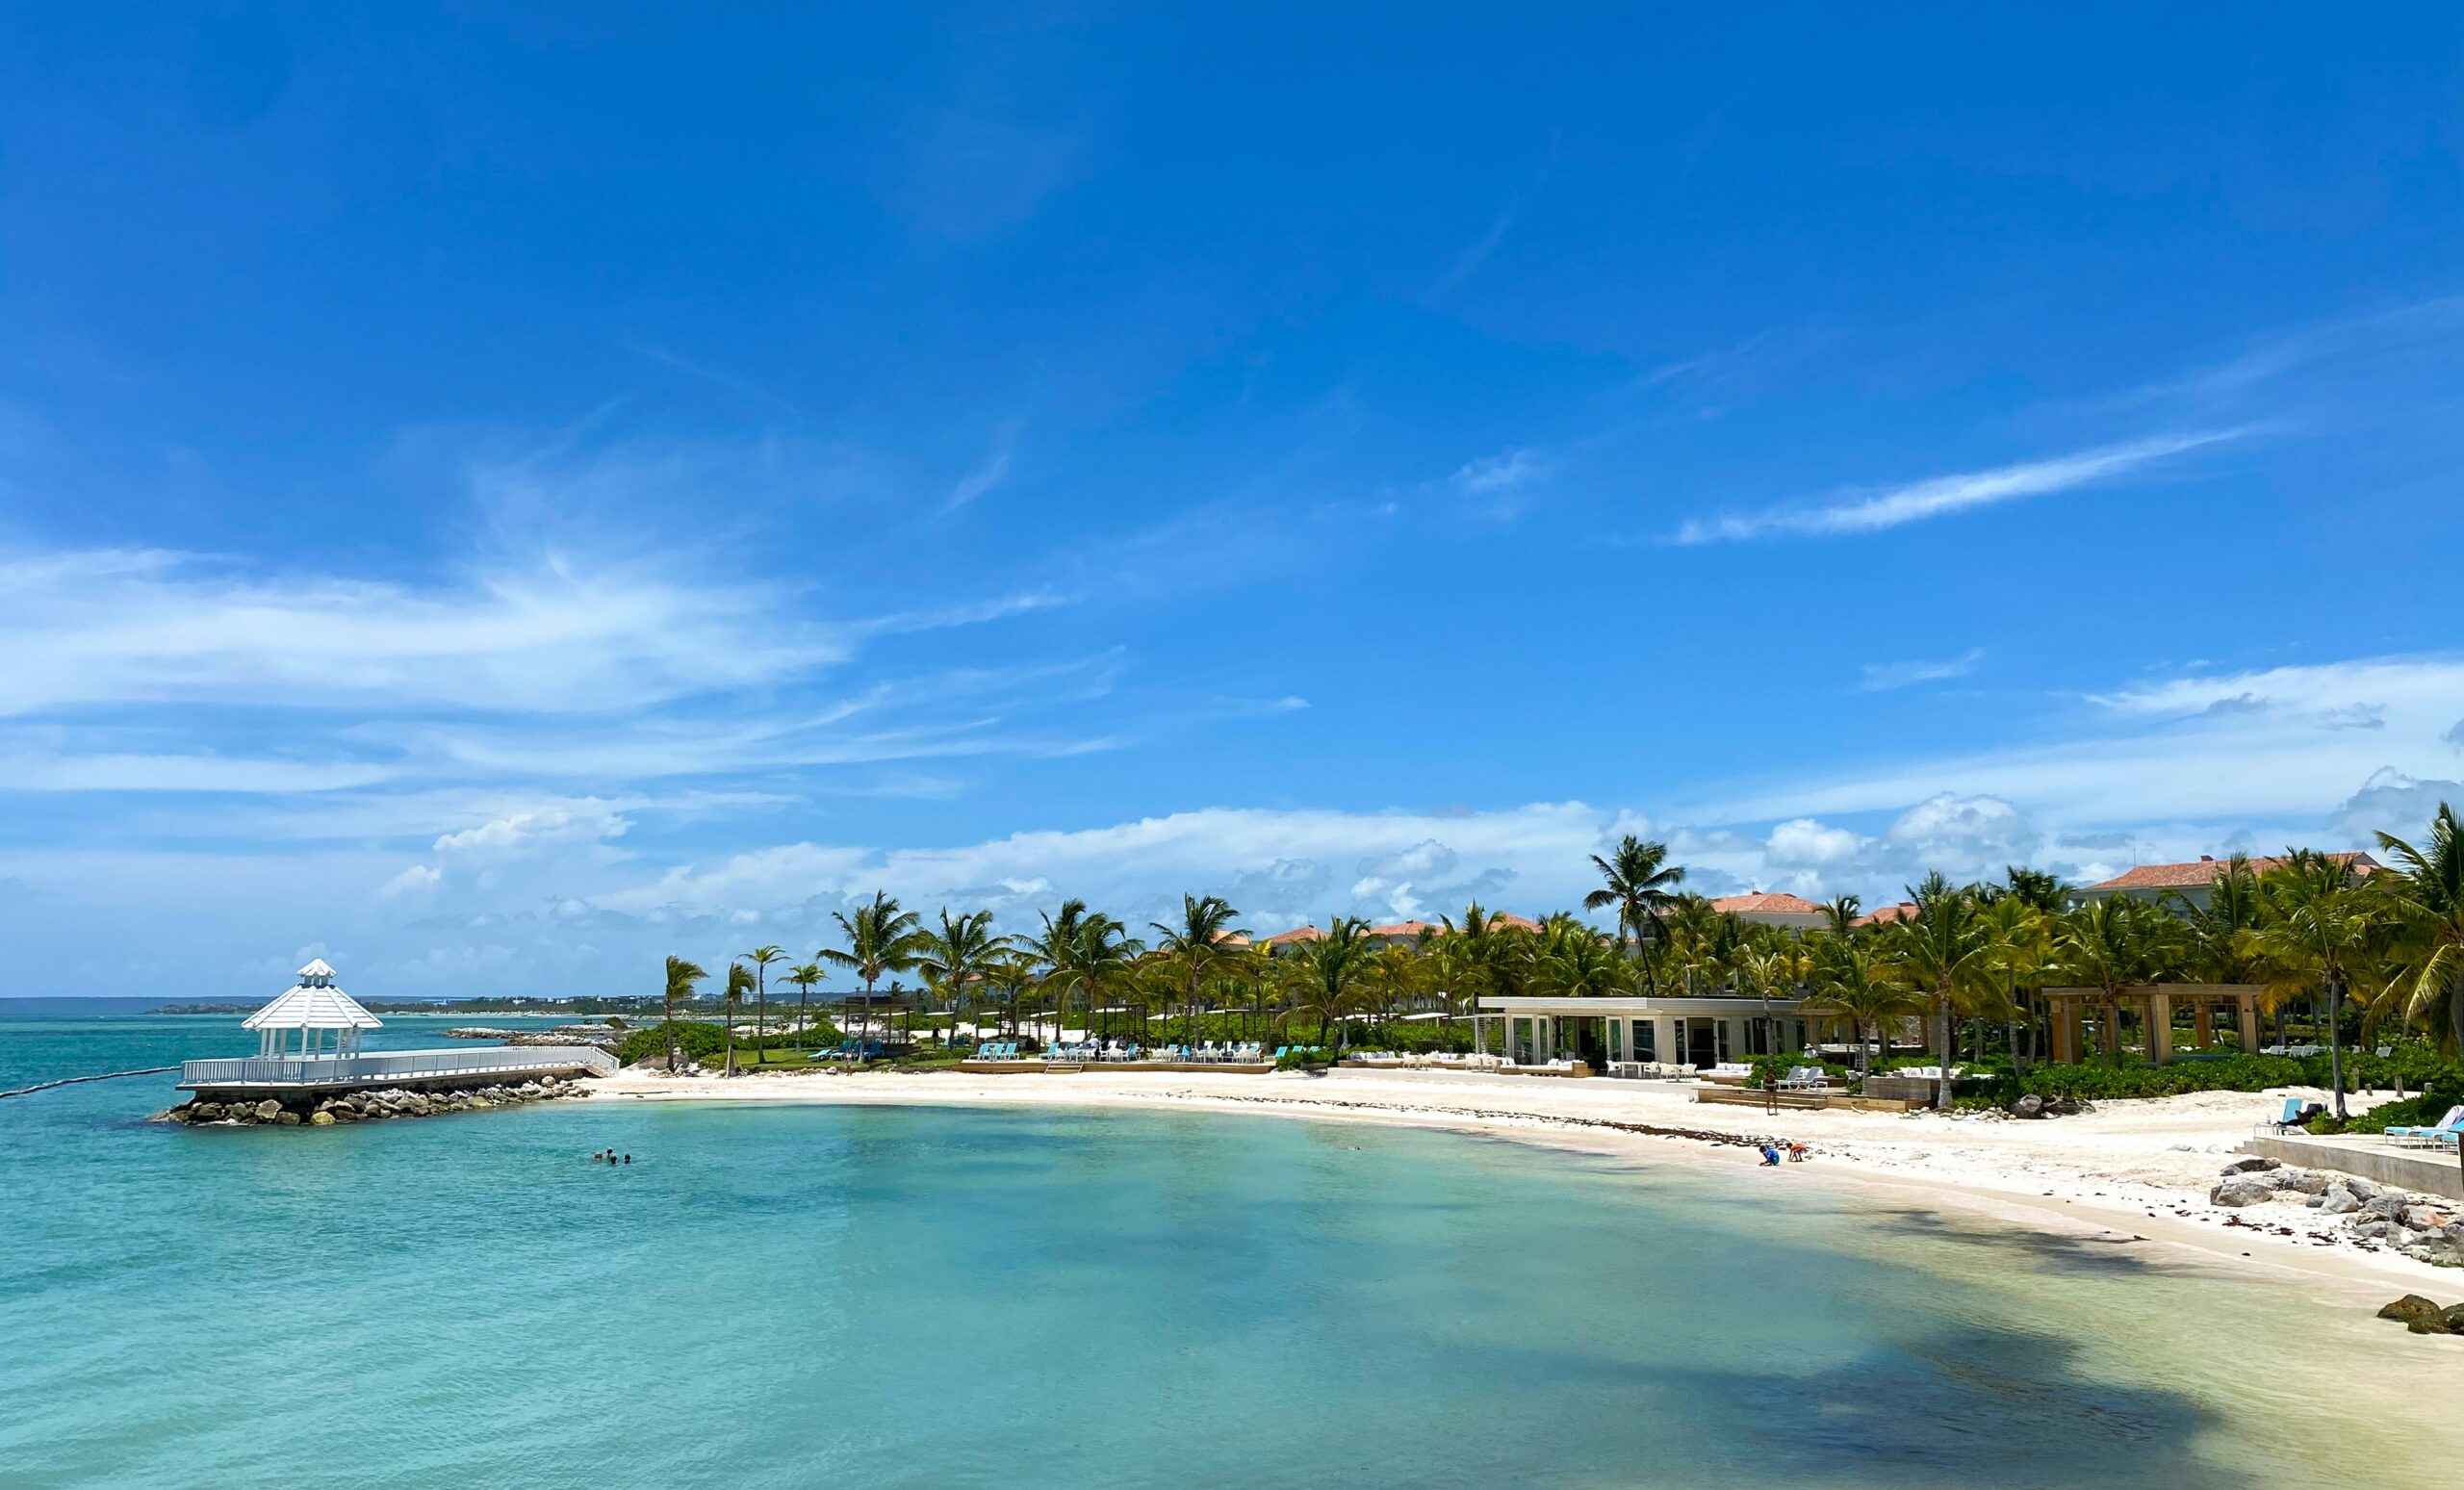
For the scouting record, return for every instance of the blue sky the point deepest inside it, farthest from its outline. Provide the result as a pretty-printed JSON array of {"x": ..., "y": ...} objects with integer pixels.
[{"x": 498, "y": 494}]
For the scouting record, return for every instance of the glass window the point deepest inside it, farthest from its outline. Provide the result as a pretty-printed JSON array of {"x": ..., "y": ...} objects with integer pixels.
[{"x": 1646, "y": 1039}]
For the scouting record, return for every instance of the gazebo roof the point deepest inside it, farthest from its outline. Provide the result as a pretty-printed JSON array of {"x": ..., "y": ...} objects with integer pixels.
[{"x": 316, "y": 1004}]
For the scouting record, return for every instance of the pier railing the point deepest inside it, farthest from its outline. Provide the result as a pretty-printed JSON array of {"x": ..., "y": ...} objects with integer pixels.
[{"x": 396, "y": 1065}]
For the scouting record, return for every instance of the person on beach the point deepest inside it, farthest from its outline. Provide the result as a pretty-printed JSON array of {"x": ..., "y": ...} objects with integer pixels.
[
  {"x": 1770, "y": 1156},
  {"x": 1770, "y": 1091}
]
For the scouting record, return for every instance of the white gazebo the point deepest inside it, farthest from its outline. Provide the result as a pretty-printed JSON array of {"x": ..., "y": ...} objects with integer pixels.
[{"x": 327, "y": 1018}]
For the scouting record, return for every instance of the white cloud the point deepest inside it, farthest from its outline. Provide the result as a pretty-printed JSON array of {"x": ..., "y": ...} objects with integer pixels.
[
  {"x": 412, "y": 880},
  {"x": 1944, "y": 496},
  {"x": 1498, "y": 480},
  {"x": 1880, "y": 677},
  {"x": 1804, "y": 843},
  {"x": 994, "y": 470},
  {"x": 530, "y": 832},
  {"x": 126, "y": 627}
]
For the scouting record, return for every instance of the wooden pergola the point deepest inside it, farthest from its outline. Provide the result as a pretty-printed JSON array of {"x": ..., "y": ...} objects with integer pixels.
[{"x": 2069, "y": 1009}]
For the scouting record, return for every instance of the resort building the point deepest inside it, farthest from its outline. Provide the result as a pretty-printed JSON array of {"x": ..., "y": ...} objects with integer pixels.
[
  {"x": 2195, "y": 880},
  {"x": 1672, "y": 1030},
  {"x": 1772, "y": 907},
  {"x": 1885, "y": 916}
]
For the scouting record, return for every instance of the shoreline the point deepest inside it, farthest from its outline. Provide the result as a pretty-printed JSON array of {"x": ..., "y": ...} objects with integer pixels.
[{"x": 2131, "y": 1174}]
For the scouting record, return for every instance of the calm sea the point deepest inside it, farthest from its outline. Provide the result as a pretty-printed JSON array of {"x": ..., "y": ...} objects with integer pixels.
[{"x": 809, "y": 1297}]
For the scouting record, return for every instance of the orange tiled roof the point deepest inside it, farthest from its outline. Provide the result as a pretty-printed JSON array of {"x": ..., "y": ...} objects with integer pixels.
[
  {"x": 1766, "y": 901},
  {"x": 2204, "y": 869},
  {"x": 1882, "y": 916},
  {"x": 1296, "y": 934},
  {"x": 1519, "y": 923},
  {"x": 1404, "y": 929}
]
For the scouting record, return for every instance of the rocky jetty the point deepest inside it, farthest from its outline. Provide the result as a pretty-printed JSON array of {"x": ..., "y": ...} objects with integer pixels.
[
  {"x": 327, "y": 1110},
  {"x": 601, "y": 1035},
  {"x": 2425, "y": 1228}
]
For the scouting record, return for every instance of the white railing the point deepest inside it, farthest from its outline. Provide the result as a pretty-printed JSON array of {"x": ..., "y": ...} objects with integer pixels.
[{"x": 396, "y": 1067}]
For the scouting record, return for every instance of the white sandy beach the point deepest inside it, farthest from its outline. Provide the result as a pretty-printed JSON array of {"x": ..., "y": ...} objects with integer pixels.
[{"x": 2130, "y": 1172}]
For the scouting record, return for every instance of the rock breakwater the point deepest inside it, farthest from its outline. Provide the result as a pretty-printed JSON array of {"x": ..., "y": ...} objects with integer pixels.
[{"x": 327, "y": 1110}]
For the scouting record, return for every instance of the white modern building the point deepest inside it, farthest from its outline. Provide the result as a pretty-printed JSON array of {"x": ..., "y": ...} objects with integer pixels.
[{"x": 1672, "y": 1030}]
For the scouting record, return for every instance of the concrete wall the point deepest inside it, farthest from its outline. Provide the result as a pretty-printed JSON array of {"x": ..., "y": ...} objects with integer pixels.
[{"x": 2431, "y": 1172}]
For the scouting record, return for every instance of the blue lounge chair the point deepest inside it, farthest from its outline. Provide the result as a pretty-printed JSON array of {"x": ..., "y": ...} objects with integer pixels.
[
  {"x": 2292, "y": 1116},
  {"x": 2446, "y": 1130}
]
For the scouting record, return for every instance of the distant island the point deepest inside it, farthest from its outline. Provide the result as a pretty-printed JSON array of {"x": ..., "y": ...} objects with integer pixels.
[{"x": 625, "y": 1006}]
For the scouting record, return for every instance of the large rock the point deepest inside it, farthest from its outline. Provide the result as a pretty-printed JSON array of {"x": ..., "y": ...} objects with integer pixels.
[
  {"x": 2391, "y": 1204},
  {"x": 2237, "y": 1190},
  {"x": 2422, "y": 1315},
  {"x": 288, "y": 1119},
  {"x": 2362, "y": 1189},
  {"x": 322, "y": 1118},
  {"x": 2307, "y": 1182},
  {"x": 2252, "y": 1165},
  {"x": 269, "y": 1110},
  {"x": 2338, "y": 1201},
  {"x": 2422, "y": 1217},
  {"x": 206, "y": 1112}
]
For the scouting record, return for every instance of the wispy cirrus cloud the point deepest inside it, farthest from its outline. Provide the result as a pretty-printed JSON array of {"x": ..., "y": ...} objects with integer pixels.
[
  {"x": 1945, "y": 495},
  {"x": 1883, "y": 677}
]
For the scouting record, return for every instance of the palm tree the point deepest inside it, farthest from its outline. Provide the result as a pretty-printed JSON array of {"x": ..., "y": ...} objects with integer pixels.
[
  {"x": 1639, "y": 883},
  {"x": 1056, "y": 951},
  {"x": 1326, "y": 974},
  {"x": 2114, "y": 945},
  {"x": 1948, "y": 950},
  {"x": 2022, "y": 950},
  {"x": 2428, "y": 896},
  {"x": 1840, "y": 916},
  {"x": 762, "y": 957},
  {"x": 681, "y": 975},
  {"x": 1858, "y": 978},
  {"x": 958, "y": 954},
  {"x": 880, "y": 938},
  {"x": 2320, "y": 927},
  {"x": 805, "y": 977},
  {"x": 1199, "y": 943},
  {"x": 740, "y": 983}
]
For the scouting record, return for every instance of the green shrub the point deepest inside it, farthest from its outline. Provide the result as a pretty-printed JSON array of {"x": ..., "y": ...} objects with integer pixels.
[{"x": 697, "y": 1039}]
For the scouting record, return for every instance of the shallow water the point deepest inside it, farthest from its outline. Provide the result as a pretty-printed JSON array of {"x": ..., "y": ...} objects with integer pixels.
[{"x": 797, "y": 1296}]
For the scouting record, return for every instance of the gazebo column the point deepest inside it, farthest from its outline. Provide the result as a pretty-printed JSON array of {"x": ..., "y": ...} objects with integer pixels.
[
  {"x": 2160, "y": 1028},
  {"x": 2202, "y": 1022},
  {"x": 2247, "y": 1012}
]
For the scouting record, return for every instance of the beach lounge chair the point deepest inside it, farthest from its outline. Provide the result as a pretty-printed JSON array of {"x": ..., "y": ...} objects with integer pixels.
[
  {"x": 2444, "y": 1131},
  {"x": 2289, "y": 1118}
]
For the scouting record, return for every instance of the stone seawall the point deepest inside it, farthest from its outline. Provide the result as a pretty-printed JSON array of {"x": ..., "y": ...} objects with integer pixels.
[{"x": 327, "y": 1110}]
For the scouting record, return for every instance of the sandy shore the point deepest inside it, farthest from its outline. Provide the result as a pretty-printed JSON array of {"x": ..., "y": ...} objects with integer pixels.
[{"x": 2131, "y": 1172}]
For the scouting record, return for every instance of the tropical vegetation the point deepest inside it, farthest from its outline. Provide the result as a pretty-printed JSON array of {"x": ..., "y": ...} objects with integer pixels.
[{"x": 2359, "y": 955}]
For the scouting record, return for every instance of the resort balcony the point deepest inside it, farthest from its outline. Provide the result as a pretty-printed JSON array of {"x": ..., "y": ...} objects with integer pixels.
[{"x": 489, "y": 1066}]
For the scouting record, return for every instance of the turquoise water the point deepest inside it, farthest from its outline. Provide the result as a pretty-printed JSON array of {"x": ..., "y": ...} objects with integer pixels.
[{"x": 809, "y": 1296}]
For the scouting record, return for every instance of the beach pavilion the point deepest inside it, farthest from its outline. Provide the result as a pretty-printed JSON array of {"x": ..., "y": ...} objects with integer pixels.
[
  {"x": 328, "y": 1020},
  {"x": 2067, "y": 1009}
]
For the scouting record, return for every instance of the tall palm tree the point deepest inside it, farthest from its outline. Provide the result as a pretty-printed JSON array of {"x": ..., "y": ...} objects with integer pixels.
[
  {"x": 958, "y": 953},
  {"x": 681, "y": 975},
  {"x": 806, "y": 976},
  {"x": 2321, "y": 928},
  {"x": 1840, "y": 916},
  {"x": 740, "y": 983},
  {"x": 880, "y": 938},
  {"x": 1859, "y": 979},
  {"x": 2429, "y": 899},
  {"x": 1199, "y": 944},
  {"x": 2023, "y": 934},
  {"x": 762, "y": 957},
  {"x": 1055, "y": 952},
  {"x": 1948, "y": 951},
  {"x": 1326, "y": 975},
  {"x": 1638, "y": 883}
]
